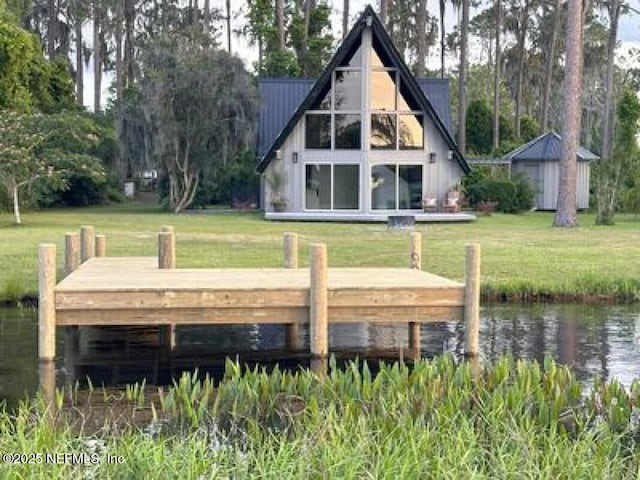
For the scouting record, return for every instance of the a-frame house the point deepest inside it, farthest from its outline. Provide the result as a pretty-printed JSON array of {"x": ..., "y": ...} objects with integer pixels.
[{"x": 364, "y": 141}]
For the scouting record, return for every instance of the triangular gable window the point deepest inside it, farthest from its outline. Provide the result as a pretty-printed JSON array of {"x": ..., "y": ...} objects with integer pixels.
[
  {"x": 334, "y": 120},
  {"x": 396, "y": 118}
]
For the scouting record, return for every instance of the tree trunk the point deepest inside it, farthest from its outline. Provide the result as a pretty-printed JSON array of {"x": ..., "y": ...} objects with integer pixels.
[
  {"x": 78, "y": 17},
  {"x": 207, "y": 15},
  {"x": 97, "y": 56},
  {"x": 345, "y": 18},
  {"x": 119, "y": 10},
  {"x": 384, "y": 11},
  {"x": 280, "y": 24},
  {"x": 52, "y": 28},
  {"x": 442, "y": 38},
  {"x": 421, "y": 26},
  {"x": 609, "y": 107},
  {"x": 566, "y": 209},
  {"x": 462, "y": 78},
  {"x": 551, "y": 59},
  {"x": 497, "y": 77},
  {"x": 129, "y": 35},
  {"x": 228, "y": 19},
  {"x": 524, "y": 21},
  {"x": 16, "y": 203}
]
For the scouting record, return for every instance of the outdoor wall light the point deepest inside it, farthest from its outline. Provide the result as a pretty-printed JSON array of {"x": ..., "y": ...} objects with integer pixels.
[
  {"x": 432, "y": 157},
  {"x": 294, "y": 157}
]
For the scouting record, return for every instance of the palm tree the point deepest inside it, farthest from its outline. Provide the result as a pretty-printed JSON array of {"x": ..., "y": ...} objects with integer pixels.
[{"x": 566, "y": 210}]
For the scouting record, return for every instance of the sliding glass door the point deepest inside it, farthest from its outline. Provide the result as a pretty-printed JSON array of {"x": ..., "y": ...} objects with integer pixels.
[{"x": 396, "y": 187}]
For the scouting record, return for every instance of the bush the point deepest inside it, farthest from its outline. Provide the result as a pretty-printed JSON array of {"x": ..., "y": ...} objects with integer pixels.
[{"x": 510, "y": 195}]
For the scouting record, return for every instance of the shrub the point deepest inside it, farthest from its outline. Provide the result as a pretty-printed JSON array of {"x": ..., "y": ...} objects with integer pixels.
[{"x": 510, "y": 195}]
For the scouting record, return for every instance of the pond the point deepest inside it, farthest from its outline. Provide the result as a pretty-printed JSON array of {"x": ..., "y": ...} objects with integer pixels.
[{"x": 592, "y": 340}]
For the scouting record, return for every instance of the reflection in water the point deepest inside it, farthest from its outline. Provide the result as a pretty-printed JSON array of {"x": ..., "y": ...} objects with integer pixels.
[{"x": 603, "y": 340}]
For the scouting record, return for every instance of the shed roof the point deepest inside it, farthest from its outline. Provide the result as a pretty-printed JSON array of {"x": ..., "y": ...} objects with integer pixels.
[
  {"x": 546, "y": 147},
  {"x": 280, "y": 97},
  {"x": 367, "y": 18}
]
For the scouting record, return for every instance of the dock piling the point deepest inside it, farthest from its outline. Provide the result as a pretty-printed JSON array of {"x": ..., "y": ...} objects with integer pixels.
[
  {"x": 290, "y": 260},
  {"x": 472, "y": 298},
  {"x": 101, "y": 246},
  {"x": 415, "y": 263},
  {"x": 290, "y": 250},
  {"x": 87, "y": 243},
  {"x": 46, "y": 301},
  {"x": 318, "y": 302},
  {"x": 71, "y": 252},
  {"x": 166, "y": 249},
  {"x": 167, "y": 260}
]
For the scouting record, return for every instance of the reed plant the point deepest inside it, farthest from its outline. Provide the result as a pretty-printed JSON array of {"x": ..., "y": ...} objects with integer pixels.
[{"x": 432, "y": 419}]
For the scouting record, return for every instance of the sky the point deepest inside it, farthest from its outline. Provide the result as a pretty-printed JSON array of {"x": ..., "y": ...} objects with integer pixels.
[{"x": 628, "y": 34}]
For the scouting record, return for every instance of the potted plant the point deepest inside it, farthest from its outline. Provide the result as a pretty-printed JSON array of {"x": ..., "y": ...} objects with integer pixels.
[{"x": 277, "y": 185}]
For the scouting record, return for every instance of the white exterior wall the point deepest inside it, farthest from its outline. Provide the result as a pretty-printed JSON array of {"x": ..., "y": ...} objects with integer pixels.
[
  {"x": 550, "y": 173},
  {"x": 438, "y": 177}
]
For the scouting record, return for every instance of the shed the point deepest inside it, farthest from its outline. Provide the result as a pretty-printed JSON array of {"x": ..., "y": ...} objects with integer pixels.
[{"x": 540, "y": 161}]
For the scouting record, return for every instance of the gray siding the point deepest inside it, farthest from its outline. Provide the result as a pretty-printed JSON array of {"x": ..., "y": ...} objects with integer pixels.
[{"x": 549, "y": 178}]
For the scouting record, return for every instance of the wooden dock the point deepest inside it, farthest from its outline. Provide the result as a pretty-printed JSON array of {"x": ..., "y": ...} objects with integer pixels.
[{"x": 104, "y": 291}]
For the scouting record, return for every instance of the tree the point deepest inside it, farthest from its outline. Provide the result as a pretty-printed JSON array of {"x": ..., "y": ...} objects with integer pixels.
[
  {"x": 566, "y": 209},
  {"x": 345, "y": 18},
  {"x": 199, "y": 107},
  {"x": 27, "y": 80},
  {"x": 497, "y": 76},
  {"x": 462, "y": 80},
  {"x": 614, "y": 7},
  {"x": 611, "y": 173},
  {"x": 479, "y": 131},
  {"x": 556, "y": 13},
  {"x": 37, "y": 147}
]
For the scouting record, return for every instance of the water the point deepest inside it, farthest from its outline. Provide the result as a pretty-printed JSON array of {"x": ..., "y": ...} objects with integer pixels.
[{"x": 592, "y": 340}]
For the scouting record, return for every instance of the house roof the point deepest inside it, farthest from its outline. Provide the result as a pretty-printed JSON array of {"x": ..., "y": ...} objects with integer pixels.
[
  {"x": 272, "y": 133},
  {"x": 546, "y": 147}
]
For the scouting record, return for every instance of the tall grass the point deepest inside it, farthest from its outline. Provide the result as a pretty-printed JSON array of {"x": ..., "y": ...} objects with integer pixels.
[{"x": 435, "y": 419}]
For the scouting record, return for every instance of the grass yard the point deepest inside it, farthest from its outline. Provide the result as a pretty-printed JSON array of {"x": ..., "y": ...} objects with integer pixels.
[{"x": 523, "y": 257}]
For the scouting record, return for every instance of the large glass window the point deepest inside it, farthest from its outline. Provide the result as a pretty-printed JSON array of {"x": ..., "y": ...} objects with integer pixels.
[
  {"x": 347, "y": 127},
  {"x": 383, "y": 131},
  {"x": 348, "y": 88},
  {"x": 383, "y": 187},
  {"x": 317, "y": 131},
  {"x": 410, "y": 131},
  {"x": 383, "y": 90},
  {"x": 409, "y": 187},
  {"x": 332, "y": 187},
  {"x": 396, "y": 187},
  {"x": 346, "y": 187}
]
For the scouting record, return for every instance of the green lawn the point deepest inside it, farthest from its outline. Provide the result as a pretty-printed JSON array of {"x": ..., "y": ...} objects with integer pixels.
[{"x": 522, "y": 255}]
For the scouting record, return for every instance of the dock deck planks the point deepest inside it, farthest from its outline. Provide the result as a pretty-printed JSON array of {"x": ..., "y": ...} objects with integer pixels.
[{"x": 133, "y": 290}]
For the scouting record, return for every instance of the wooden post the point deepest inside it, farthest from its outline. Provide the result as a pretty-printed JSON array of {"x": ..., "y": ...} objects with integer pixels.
[
  {"x": 415, "y": 263},
  {"x": 46, "y": 301},
  {"x": 87, "y": 243},
  {"x": 101, "y": 246},
  {"x": 318, "y": 301},
  {"x": 290, "y": 250},
  {"x": 166, "y": 250},
  {"x": 167, "y": 259},
  {"x": 415, "y": 250},
  {"x": 472, "y": 298},
  {"x": 47, "y": 384},
  {"x": 290, "y": 260},
  {"x": 71, "y": 252}
]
